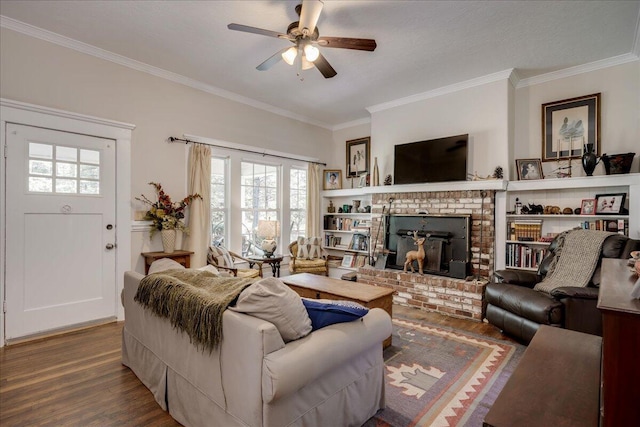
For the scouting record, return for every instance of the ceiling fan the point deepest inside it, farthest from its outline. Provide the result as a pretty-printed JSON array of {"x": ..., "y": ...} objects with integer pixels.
[{"x": 304, "y": 35}]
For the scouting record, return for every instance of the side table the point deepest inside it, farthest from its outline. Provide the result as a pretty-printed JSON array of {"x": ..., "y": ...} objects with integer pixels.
[
  {"x": 273, "y": 261},
  {"x": 181, "y": 257}
]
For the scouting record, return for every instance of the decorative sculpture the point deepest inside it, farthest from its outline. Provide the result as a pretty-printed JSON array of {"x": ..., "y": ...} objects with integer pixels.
[{"x": 418, "y": 255}]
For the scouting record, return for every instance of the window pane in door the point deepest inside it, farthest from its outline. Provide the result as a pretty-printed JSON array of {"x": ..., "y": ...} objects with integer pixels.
[
  {"x": 89, "y": 171},
  {"x": 40, "y": 167},
  {"x": 66, "y": 170},
  {"x": 40, "y": 185},
  {"x": 66, "y": 186},
  {"x": 89, "y": 187},
  {"x": 90, "y": 156},
  {"x": 67, "y": 154},
  {"x": 40, "y": 151}
]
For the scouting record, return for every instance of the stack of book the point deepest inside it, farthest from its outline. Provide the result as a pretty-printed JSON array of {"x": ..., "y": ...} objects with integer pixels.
[{"x": 525, "y": 230}]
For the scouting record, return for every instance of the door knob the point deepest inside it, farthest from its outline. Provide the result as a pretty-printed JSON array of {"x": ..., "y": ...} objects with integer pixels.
[{"x": 110, "y": 246}]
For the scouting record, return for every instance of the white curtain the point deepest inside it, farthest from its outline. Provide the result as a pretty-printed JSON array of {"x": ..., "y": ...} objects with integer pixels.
[
  {"x": 313, "y": 200},
  {"x": 199, "y": 210}
]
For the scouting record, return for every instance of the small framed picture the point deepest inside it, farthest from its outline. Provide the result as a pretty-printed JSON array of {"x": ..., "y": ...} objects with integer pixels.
[
  {"x": 588, "y": 207},
  {"x": 347, "y": 261},
  {"x": 529, "y": 169},
  {"x": 610, "y": 204},
  {"x": 364, "y": 180},
  {"x": 357, "y": 157},
  {"x": 332, "y": 179}
]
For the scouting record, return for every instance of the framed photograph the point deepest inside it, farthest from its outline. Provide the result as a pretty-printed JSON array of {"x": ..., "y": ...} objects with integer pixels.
[
  {"x": 358, "y": 157},
  {"x": 588, "y": 207},
  {"x": 364, "y": 180},
  {"x": 610, "y": 204},
  {"x": 529, "y": 169},
  {"x": 332, "y": 179},
  {"x": 347, "y": 261},
  {"x": 570, "y": 124}
]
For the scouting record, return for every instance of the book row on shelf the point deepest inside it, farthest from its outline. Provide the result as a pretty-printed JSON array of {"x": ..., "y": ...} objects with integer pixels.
[
  {"x": 346, "y": 224},
  {"x": 353, "y": 260},
  {"x": 524, "y": 256},
  {"x": 358, "y": 242},
  {"x": 620, "y": 226},
  {"x": 525, "y": 230}
]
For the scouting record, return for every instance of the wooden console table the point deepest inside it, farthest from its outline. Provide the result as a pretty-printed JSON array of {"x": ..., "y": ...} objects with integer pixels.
[
  {"x": 181, "y": 257},
  {"x": 620, "y": 345},
  {"x": 321, "y": 287},
  {"x": 556, "y": 383}
]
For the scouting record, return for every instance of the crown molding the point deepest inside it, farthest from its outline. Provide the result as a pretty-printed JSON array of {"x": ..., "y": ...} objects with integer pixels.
[
  {"x": 578, "y": 69},
  {"x": 365, "y": 121},
  {"x": 479, "y": 81},
  {"x": 106, "y": 55}
]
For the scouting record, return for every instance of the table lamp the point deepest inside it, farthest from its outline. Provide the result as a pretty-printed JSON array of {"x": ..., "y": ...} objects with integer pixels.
[{"x": 268, "y": 230}]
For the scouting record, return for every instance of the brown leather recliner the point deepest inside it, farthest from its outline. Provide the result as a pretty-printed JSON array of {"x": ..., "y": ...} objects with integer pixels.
[{"x": 518, "y": 310}]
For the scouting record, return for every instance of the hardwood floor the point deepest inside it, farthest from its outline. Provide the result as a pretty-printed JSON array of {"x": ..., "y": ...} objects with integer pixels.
[{"x": 76, "y": 379}]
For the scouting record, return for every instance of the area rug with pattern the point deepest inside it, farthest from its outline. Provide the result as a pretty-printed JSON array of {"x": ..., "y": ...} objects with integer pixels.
[{"x": 438, "y": 376}]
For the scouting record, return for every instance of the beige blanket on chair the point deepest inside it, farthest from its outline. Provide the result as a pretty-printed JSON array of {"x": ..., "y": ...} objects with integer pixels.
[
  {"x": 575, "y": 260},
  {"x": 192, "y": 300}
]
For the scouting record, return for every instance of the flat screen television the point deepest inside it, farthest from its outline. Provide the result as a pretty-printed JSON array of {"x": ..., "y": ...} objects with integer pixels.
[{"x": 435, "y": 160}]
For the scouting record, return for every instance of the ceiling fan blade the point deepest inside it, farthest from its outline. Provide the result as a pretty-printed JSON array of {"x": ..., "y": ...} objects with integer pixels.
[
  {"x": 324, "y": 67},
  {"x": 348, "y": 43},
  {"x": 309, "y": 15},
  {"x": 273, "y": 60},
  {"x": 254, "y": 30}
]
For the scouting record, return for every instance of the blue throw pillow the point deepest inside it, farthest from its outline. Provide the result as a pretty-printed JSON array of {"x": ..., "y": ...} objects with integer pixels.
[{"x": 324, "y": 312}]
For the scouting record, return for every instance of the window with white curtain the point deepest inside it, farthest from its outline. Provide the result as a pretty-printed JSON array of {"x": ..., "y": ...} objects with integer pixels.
[
  {"x": 259, "y": 199},
  {"x": 297, "y": 203},
  {"x": 219, "y": 199}
]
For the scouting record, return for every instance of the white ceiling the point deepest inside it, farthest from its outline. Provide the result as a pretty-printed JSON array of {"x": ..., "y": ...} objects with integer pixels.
[{"x": 422, "y": 45}]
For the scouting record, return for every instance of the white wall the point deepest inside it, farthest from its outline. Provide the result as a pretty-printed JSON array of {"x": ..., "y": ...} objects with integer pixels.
[
  {"x": 480, "y": 111},
  {"x": 338, "y": 159},
  {"x": 42, "y": 73},
  {"x": 620, "y": 112}
]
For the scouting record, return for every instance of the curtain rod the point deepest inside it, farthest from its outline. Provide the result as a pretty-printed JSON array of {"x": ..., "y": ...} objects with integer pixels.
[{"x": 187, "y": 141}]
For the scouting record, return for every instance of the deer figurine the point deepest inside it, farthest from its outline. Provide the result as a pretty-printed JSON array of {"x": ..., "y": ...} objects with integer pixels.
[{"x": 418, "y": 255}]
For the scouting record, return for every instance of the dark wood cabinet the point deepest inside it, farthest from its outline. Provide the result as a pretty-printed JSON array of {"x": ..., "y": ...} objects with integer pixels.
[{"x": 620, "y": 345}]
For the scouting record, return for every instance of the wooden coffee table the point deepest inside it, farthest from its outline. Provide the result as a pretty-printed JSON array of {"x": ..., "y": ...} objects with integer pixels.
[{"x": 321, "y": 287}]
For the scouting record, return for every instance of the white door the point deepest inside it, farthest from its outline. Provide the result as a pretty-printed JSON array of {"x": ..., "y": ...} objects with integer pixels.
[{"x": 60, "y": 230}]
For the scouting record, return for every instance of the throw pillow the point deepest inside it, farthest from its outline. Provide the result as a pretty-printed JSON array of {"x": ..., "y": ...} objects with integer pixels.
[
  {"x": 303, "y": 250},
  {"x": 327, "y": 312},
  {"x": 163, "y": 264},
  {"x": 211, "y": 269},
  {"x": 219, "y": 256},
  {"x": 314, "y": 247},
  {"x": 271, "y": 300}
]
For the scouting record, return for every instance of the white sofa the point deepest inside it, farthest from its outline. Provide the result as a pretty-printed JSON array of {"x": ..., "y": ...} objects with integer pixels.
[{"x": 332, "y": 377}]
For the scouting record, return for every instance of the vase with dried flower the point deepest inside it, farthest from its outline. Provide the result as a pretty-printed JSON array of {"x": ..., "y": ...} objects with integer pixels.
[{"x": 166, "y": 216}]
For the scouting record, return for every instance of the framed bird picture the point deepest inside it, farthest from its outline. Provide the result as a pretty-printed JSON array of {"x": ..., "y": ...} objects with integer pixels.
[{"x": 358, "y": 157}]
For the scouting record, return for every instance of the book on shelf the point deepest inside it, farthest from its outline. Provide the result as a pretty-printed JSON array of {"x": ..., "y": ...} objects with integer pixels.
[
  {"x": 620, "y": 226},
  {"x": 359, "y": 242},
  {"x": 524, "y": 256},
  {"x": 526, "y": 230}
]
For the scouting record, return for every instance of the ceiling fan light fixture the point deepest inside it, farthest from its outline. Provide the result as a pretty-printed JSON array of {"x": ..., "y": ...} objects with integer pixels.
[
  {"x": 306, "y": 65},
  {"x": 290, "y": 54},
  {"x": 311, "y": 52}
]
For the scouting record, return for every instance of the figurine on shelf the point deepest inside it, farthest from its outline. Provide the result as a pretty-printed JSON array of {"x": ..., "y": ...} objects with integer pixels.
[{"x": 331, "y": 208}]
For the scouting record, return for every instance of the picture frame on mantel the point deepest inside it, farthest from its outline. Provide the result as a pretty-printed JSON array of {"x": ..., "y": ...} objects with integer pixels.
[
  {"x": 358, "y": 156},
  {"x": 568, "y": 126},
  {"x": 332, "y": 179}
]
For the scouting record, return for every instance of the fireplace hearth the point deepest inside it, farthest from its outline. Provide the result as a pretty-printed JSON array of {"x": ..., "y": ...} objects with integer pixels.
[{"x": 447, "y": 242}]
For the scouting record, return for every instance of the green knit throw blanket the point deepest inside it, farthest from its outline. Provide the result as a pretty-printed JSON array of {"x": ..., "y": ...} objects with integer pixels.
[
  {"x": 192, "y": 300},
  {"x": 575, "y": 260}
]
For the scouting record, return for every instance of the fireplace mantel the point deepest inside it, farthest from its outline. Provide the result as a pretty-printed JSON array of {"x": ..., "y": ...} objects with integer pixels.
[{"x": 487, "y": 184}]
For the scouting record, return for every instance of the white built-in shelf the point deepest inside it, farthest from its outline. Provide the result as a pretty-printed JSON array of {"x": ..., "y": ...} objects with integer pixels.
[
  {"x": 577, "y": 182},
  {"x": 531, "y": 242},
  {"x": 562, "y": 216},
  {"x": 365, "y": 232},
  {"x": 345, "y": 250}
]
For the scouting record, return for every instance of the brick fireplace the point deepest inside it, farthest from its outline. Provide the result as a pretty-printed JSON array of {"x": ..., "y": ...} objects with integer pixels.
[{"x": 451, "y": 296}]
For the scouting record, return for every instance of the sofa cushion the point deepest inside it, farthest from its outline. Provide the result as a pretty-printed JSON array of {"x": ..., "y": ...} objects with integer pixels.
[
  {"x": 327, "y": 312},
  {"x": 303, "y": 249},
  {"x": 271, "y": 300},
  {"x": 163, "y": 264}
]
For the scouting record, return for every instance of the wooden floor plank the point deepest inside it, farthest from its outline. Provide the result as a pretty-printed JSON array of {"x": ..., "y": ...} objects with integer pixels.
[{"x": 77, "y": 379}]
